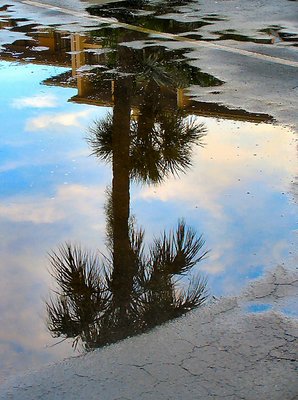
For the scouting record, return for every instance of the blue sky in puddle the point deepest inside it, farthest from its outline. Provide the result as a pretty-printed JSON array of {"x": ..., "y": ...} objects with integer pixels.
[
  {"x": 258, "y": 308},
  {"x": 237, "y": 194}
]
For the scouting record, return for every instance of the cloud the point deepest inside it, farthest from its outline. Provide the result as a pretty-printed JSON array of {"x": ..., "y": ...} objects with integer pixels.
[
  {"x": 56, "y": 121},
  {"x": 217, "y": 260},
  {"x": 11, "y": 165},
  {"x": 32, "y": 226},
  {"x": 37, "y": 101},
  {"x": 69, "y": 199},
  {"x": 231, "y": 162},
  {"x": 23, "y": 336},
  {"x": 232, "y": 194},
  {"x": 38, "y": 213}
]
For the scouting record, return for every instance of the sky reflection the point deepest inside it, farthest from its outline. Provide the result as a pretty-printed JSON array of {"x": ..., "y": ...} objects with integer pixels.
[
  {"x": 237, "y": 194},
  {"x": 50, "y": 190}
]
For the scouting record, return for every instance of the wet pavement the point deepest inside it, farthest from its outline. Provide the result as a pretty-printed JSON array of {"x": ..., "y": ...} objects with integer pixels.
[
  {"x": 119, "y": 124},
  {"x": 212, "y": 353}
]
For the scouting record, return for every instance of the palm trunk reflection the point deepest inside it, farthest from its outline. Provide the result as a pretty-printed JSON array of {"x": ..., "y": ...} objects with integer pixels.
[{"x": 102, "y": 300}]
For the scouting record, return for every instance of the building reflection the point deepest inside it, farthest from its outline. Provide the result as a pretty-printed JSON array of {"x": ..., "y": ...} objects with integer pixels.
[{"x": 90, "y": 57}]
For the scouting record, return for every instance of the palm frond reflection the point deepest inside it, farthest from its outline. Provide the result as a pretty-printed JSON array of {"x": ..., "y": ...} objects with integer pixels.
[
  {"x": 89, "y": 307},
  {"x": 163, "y": 149}
]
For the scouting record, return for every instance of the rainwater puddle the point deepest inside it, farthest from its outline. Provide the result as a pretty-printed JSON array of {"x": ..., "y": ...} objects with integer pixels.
[
  {"x": 287, "y": 307},
  {"x": 103, "y": 152},
  {"x": 258, "y": 308},
  {"x": 187, "y": 19}
]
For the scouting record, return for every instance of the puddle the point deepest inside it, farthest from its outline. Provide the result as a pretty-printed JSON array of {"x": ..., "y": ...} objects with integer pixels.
[
  {"x": 287, "y": 307},
  {"x": 187, "y": 19},
  {"x": 290, "y": 312},
  {"x": 228, "y": 173},
  {"x": 258, "y": 308},
  {"x": 153, "y": 21},
  {"x": 280, "y": 34}
]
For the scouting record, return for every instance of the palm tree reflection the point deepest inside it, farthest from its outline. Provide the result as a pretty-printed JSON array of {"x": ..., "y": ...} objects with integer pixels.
[
  {"x": 100, "y": 300},
  {"x": 93, "y": 306},
  {"x": 160, "y": 139}
]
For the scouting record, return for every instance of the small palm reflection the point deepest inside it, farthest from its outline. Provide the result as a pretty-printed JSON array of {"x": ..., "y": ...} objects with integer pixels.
[{"x": 96, "y": 307}]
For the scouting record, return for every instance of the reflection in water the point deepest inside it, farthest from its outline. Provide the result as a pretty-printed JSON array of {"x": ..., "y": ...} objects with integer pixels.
[
  {"x": 100, "y": 302},
  {"x": 186, "y": 19},
  {"x": 130, "y": 291},
  {"x": 157, "y": 140},
  {"x": 93, "y": 57},
  {"x": 150, "y": 15},
  {"x": 51, "y": 191},
  {"x": 295, "y": 190}
]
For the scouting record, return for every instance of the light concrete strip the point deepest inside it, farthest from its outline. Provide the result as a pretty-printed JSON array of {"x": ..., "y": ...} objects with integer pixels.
[
  {"x": 217, "y": 352},
  {"x": 193, "y": 42},
  {"x": 63, "y": 10}
]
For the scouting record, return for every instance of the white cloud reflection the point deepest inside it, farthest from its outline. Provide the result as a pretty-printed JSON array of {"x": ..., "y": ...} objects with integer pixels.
[
  {"x": 37, "y": 101},
  {"x": 32, "y": 226},
  {"x": 231, "y": 161},
  {"x": 233, "y": 195},
  {"x": 57, "y": 121},
  {"x": 76, "y": 199},
  {"x": 23, "y": 336}
]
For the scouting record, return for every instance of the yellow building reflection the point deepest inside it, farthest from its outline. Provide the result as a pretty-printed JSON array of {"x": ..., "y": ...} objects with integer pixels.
[{"x": 84, "y": 54}]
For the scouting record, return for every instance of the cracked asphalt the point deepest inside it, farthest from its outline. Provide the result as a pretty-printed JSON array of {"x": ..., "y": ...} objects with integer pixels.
[{"x": 216, "y": 352}]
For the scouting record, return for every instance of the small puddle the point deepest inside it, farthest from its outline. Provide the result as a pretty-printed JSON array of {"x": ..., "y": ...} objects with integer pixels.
[
  {"x": 258, "y": 308},
  {"x": 287, "y": 307},
  {"x": 153, "y": 19},
  {"x": 184, "y": 18},
  {"x": 104, "y": 152}
]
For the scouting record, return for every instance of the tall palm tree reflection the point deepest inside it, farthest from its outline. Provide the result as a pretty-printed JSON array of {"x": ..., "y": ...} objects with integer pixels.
[{"x": 102, "y": 299}]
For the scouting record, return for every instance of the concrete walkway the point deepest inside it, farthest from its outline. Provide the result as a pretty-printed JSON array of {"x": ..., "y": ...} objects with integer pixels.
[{"x": 219, "y": 351}]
